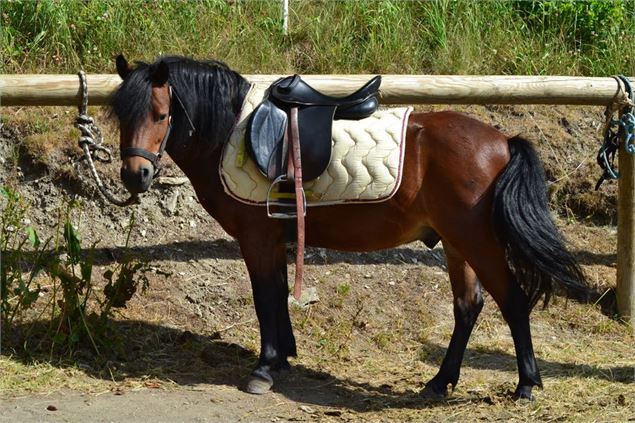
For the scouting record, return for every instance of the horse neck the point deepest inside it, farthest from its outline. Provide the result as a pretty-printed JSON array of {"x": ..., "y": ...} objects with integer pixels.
[
  {"x": 193, "y": 155},
  {"x": 208, "y": 121}
]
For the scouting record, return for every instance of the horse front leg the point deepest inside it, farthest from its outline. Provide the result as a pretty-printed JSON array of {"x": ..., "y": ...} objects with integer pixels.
[{"x": 267, "y": 266}]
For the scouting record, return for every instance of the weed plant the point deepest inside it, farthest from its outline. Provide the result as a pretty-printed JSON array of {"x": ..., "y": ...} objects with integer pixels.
[{"x": 78, "y": 311}]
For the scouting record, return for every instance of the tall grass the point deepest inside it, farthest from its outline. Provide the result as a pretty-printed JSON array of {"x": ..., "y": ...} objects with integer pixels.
[{"x": 592, "y": 37}]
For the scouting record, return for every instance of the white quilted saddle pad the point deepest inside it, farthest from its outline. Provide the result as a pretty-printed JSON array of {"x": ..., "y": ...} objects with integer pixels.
[{"x": 366, "y": 161}]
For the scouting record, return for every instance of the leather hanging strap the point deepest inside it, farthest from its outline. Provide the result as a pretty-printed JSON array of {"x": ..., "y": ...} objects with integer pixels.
[{"x": 294, "y": 157}]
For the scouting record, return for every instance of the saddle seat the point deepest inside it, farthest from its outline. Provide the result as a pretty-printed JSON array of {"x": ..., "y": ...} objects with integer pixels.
[
  {"x": 358, "y": 105},
  {"x": 268, "y": 123}
]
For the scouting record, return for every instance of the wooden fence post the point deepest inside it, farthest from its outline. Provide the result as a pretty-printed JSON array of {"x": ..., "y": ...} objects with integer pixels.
[{"x": 625, "y": 291}]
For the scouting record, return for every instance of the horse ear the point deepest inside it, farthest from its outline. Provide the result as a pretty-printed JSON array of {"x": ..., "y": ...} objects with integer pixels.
[
  {"x": 160, "y": 74},
  {"x": 123, "y": 68}
]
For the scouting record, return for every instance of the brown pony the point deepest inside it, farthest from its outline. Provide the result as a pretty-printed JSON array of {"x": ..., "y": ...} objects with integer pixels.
[{"x": 465, "y": 183}]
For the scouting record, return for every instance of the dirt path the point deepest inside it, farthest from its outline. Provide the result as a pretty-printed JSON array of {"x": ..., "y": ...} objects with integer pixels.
[{"x": 207, "y": 404}]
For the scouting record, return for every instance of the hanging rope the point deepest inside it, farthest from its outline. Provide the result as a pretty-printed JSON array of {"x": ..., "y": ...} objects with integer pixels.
[
  {"x": 617, "y": 129},
  {"x": 91, "y": 142}
]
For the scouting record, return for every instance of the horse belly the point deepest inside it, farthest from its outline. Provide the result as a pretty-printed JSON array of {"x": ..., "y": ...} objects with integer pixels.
[{"x": 364, "y": 227}]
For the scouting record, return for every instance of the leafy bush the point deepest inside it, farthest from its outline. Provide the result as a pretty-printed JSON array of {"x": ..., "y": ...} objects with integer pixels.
[
  {"x": 585, "y": 22},
  {"x": 18, "y": 287},
  {"x": 79, "y": 312}
]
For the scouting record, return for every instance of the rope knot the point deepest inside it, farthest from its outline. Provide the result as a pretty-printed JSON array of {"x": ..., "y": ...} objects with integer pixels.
[{"x": 91, "y": 142}]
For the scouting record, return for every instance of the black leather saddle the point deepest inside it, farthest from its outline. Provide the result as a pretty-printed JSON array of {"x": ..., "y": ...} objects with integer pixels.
[{"x": 267, "y": 125}]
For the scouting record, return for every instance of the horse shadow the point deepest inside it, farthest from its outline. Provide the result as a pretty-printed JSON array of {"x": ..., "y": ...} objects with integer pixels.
[
  {"x": 411, "y": 254},
  {"x": 228, "y": 249},
  {"x": 154, "y": 352}
]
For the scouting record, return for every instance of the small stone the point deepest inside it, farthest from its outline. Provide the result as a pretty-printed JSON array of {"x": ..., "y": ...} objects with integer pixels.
[
  {"x": 308, "y": 296},
  {"x": 172, "y": 202},
  {"x": 391, "y": 283},
  {"x": 51, "y": 408},
  {"x": 368, "y": 276},
  {"x": 307, "y": 409}
]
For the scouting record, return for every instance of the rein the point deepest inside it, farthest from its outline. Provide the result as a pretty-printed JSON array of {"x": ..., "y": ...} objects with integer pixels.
[{"x": 155, "y": 158}]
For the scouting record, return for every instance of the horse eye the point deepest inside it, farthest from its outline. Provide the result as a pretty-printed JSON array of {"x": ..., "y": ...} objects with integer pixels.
[{"x": 162, "y": 117}]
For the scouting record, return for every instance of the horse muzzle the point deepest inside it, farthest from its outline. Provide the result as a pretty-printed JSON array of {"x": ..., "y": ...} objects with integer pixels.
[{"x": 137, "y": 179}]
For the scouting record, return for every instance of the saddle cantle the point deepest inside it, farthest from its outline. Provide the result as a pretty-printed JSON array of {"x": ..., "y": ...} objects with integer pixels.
[{"x": 316, "y": 111}]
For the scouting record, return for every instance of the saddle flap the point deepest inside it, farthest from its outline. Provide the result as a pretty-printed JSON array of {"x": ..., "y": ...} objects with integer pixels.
[
  {"x": 315, "y": 125},
  {"x": 265, "y": 132}
]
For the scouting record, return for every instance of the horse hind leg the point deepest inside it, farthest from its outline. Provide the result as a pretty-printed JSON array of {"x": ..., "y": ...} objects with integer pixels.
[
  {"x": 488, "y": 260},
  {"x": 468, "y": 303},
  {"x": 515, "y": 310}
]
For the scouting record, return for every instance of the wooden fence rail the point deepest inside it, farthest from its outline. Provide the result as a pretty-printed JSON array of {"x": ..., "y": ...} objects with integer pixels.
[{"x": 63, "y": 90}]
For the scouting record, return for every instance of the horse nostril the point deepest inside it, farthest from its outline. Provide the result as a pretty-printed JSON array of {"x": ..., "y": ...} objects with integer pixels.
[
  {"x": 137, "y": 181},
  {"x": 146, "y": 173}
]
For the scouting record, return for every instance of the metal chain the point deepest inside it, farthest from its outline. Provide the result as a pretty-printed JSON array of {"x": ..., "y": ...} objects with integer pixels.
[
  {"x": 616, "y": 130},
  {"x": 91, "y": 142}
]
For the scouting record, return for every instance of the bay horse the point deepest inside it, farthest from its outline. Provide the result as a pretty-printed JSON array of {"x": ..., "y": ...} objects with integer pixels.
[{"x": 480, "y": 192}]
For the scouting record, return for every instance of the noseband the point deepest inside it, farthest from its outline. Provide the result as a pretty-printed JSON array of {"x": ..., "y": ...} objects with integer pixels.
[{"x": 155, "y": 158}]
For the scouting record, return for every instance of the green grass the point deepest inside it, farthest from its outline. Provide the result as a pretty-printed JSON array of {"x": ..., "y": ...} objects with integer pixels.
[{"x": 434, "y": 37}]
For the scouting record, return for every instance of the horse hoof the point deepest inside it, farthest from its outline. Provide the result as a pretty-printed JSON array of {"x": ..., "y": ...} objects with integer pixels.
[
  {"x": 257, "y": 385},
  {"x": 523, "y": 393},
  {"x": 429, "y": 393}
]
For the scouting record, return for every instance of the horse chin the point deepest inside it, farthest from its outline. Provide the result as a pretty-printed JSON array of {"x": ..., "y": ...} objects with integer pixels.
[{"x": 136, "y": 192}]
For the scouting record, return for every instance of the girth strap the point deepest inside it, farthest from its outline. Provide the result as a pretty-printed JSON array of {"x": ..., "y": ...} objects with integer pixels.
[{"x": 295, "y": 171}]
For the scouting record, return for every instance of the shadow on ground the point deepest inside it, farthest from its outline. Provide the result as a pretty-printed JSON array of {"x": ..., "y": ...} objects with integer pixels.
[{"x": 145, "y": 350}]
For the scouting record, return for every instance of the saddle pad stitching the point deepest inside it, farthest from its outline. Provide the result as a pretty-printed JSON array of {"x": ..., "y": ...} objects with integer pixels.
[{"x": 376, "y": 173}]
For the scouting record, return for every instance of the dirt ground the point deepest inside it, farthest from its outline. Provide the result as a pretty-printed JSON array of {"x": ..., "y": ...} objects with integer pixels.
[{"x": 375, "y": 333}]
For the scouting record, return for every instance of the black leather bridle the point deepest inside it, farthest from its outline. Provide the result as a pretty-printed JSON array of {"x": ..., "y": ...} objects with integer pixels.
[{"x": 155, "y": 158}]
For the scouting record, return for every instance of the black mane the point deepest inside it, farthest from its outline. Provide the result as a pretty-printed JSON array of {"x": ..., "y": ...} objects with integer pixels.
[{"x": 211, "y": 92}]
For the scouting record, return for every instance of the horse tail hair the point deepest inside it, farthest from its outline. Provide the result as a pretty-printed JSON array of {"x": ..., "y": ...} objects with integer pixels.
[{"x": 535, "y": 250}]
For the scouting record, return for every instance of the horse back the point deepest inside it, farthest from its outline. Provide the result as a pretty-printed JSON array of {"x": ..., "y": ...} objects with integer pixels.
[{"x": 450, "y": 167}]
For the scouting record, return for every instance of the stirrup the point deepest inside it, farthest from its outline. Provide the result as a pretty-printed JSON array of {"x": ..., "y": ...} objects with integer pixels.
[{"x": 271, "y": 201}]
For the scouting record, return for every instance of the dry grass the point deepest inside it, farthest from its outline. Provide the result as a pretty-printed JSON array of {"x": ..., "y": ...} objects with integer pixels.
[{"x": 364, "y": 356}]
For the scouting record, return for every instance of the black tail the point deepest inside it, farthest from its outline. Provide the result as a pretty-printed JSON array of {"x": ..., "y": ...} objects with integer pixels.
[{"x": 535, "y": 250}]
